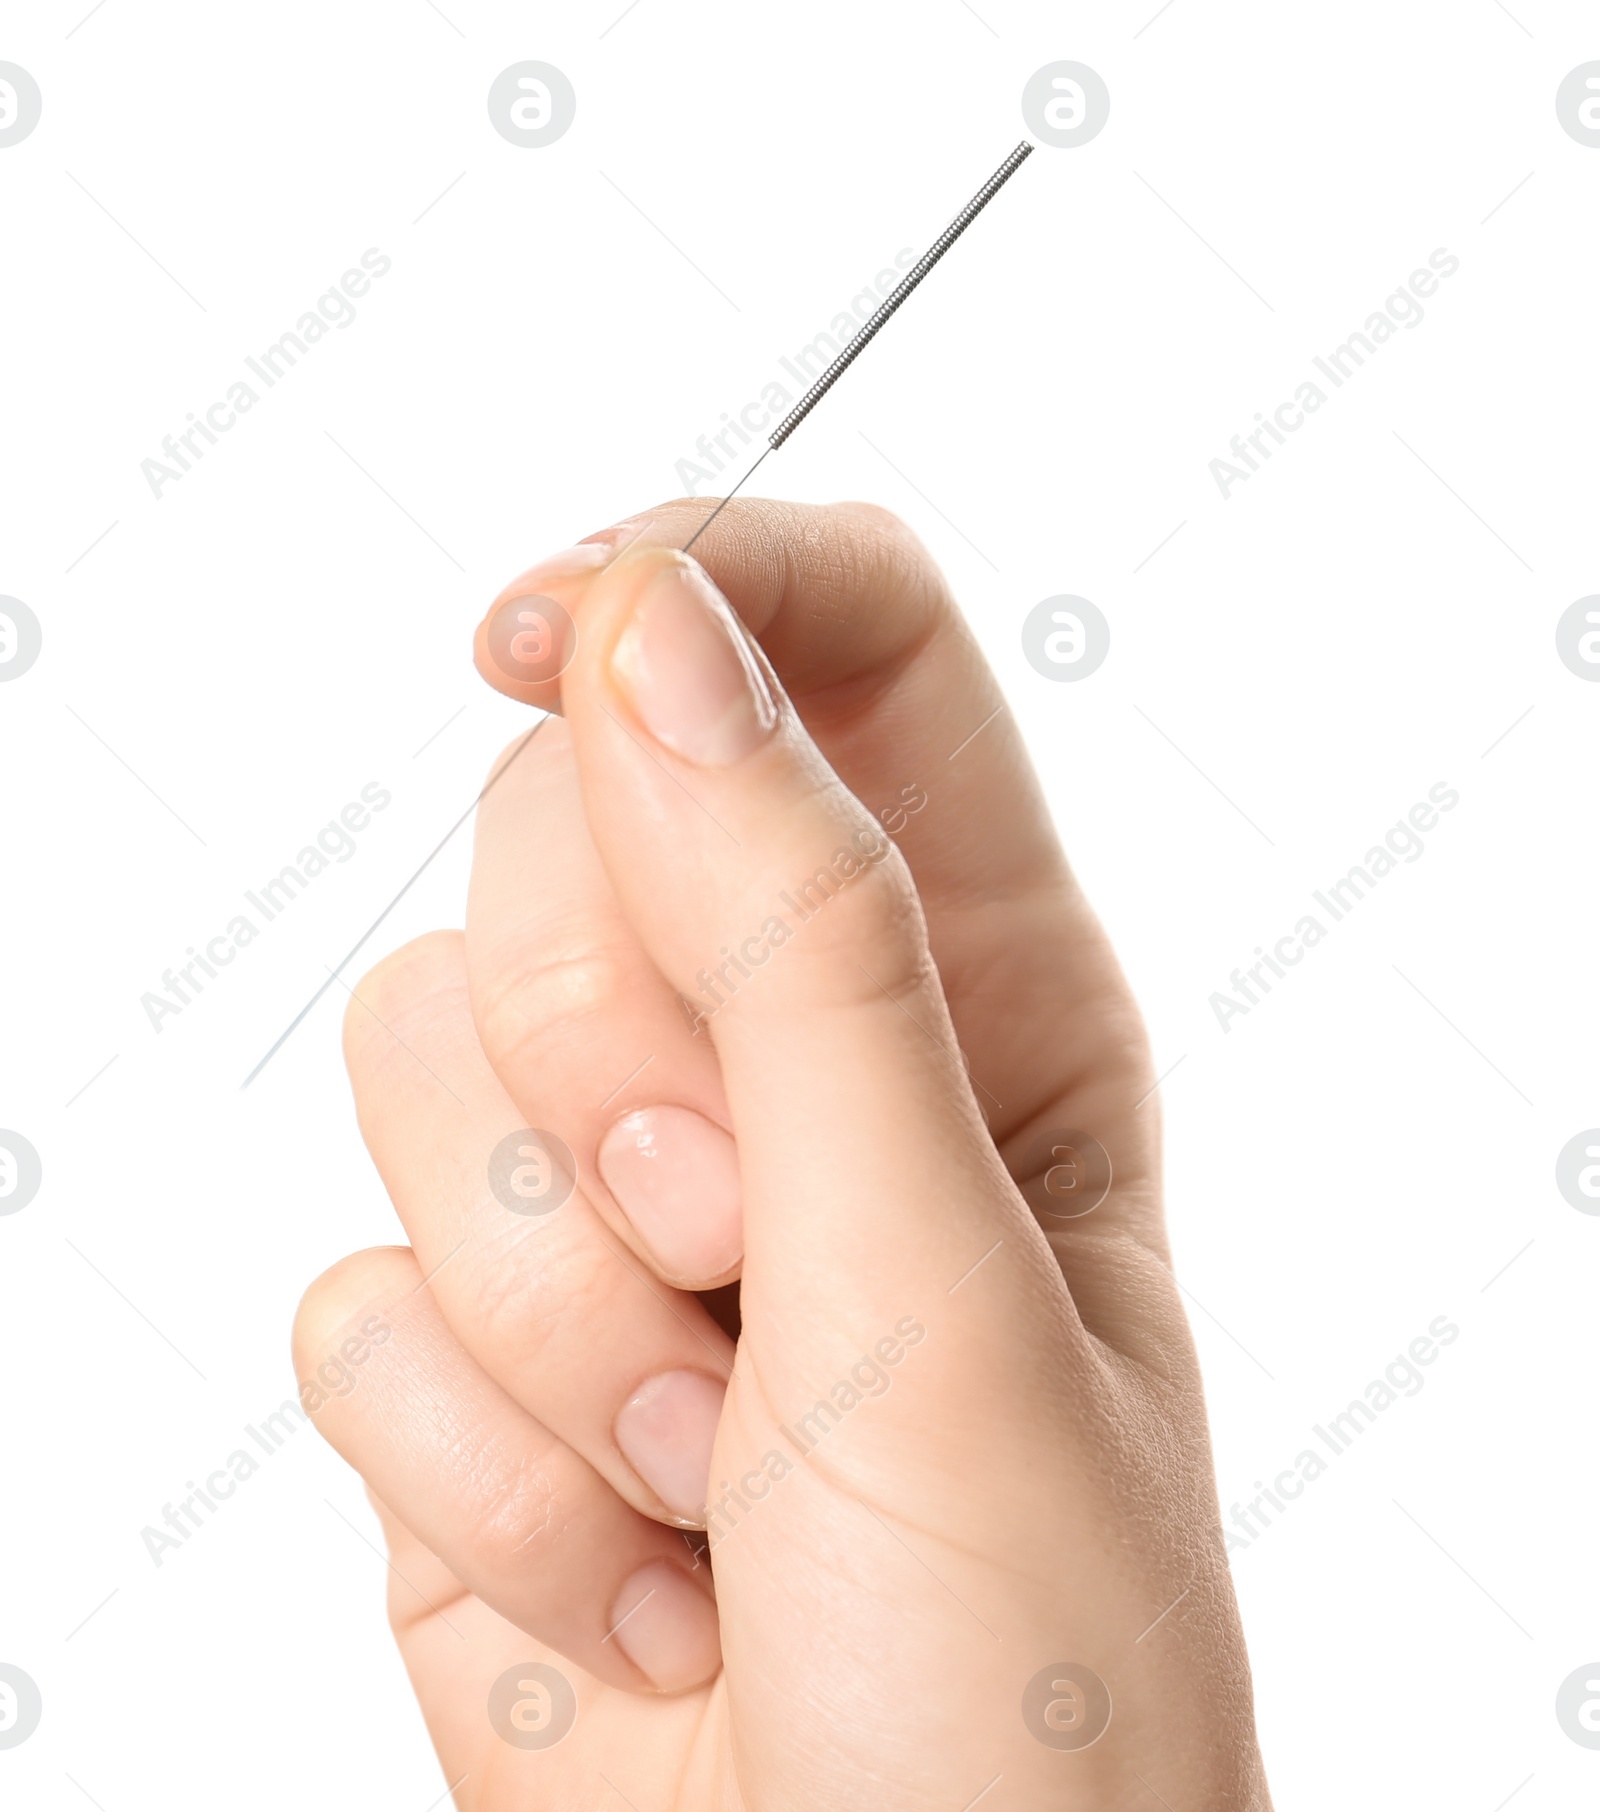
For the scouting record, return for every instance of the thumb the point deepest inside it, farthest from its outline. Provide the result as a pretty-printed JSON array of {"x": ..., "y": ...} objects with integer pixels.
[{"x": 775, "y": 903}]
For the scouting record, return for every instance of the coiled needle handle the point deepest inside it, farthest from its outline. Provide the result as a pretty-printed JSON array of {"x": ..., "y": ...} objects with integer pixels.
[{"x": 857, "y": 344}]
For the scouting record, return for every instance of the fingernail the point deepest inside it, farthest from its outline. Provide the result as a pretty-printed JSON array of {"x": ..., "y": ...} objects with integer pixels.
[
  {"x": 621, "y": 535},
  {"x": 665, "y": 1431},
  {"x": 570, "y": 563},
  {"x": 676, "y": 1176},
  {"x": 667, "y": 1627},
  {"x": 685, "y": 665}
]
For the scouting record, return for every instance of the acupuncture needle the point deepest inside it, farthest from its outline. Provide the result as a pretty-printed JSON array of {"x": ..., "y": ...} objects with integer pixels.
[
  {"x": 852, "y": 350},
  {"x": 874, "y": 324}
]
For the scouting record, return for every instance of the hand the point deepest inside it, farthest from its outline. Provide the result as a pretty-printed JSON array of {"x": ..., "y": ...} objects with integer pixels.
[{"x": 779, "y": 943}]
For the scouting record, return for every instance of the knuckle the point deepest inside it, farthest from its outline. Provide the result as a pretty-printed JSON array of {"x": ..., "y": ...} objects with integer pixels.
[
  {"x": 537, "y": 1297},
  {"x": 857, "y": 928},
  {"x": 498, "y": 766},
  {"x": 897, "y": 550},
  {"x": 409, "y": 986},
  {"x": 875, "y": 516},
  {"x": 883, "y": 930},
  {"x": 537, "y": 751},
  {"x": 332, "y": 1301},
  {"x": 527, "y": 1003},
  {"x": 514, "y": 1516}
]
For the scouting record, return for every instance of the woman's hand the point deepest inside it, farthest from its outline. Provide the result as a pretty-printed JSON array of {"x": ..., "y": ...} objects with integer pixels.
[{"x": 771, "y": 945}]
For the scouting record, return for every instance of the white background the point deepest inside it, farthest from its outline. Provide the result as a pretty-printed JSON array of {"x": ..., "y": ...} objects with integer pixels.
[{"x": 1365, "y": 1151}]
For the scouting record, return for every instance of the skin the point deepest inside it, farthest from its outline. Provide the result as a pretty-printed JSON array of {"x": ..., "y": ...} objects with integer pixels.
[{"x": 1028, "y": 1482}]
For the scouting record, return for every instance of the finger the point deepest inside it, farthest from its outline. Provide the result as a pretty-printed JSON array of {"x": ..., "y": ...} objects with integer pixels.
[
  {"x": 523, "y": 645},
  {"x": 585, "y": 1033},
  {"x": 722, "y": 827},
  {"x": 511, "y": 1513},
  {"x": 866, "y": 638},
  {"x": 626, "y": 1370},
  {"x": 528, "y": 639},
  {"x": 492, "y": 1717}
]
